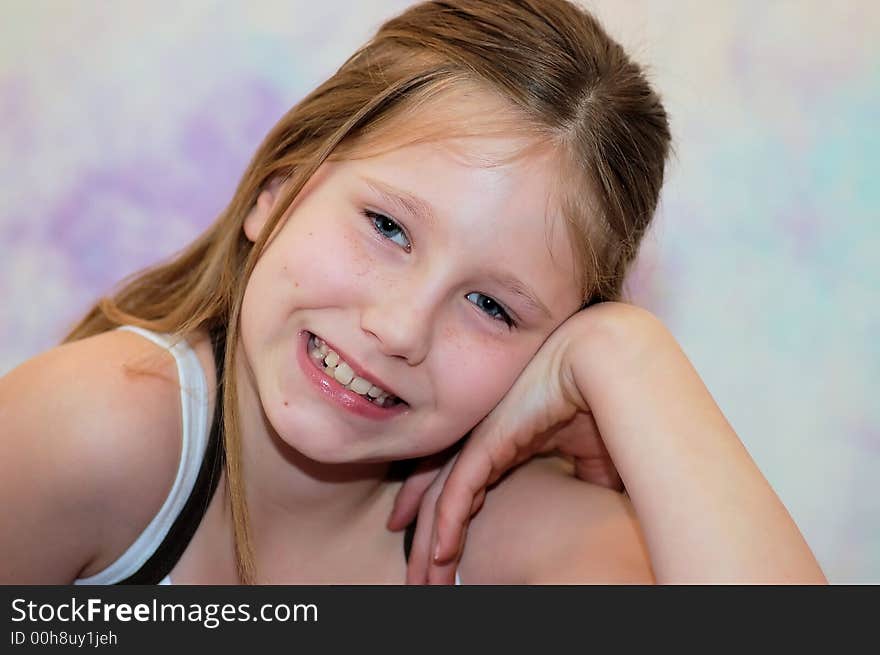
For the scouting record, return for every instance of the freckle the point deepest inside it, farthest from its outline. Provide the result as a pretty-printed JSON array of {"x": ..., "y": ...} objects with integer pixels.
[
  {"x": 296, "y": 285},
  {"x": 285, "y": 403}
]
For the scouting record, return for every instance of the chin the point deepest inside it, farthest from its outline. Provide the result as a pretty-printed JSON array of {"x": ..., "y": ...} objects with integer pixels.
[
  {"x": 323, "y": 453},
  {"x": 317, "y": 441}
]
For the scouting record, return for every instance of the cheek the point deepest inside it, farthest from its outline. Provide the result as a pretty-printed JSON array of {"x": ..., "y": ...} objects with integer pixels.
[
  {"x": 475, "y": 377},
  {"x": 333, "y": 263}
]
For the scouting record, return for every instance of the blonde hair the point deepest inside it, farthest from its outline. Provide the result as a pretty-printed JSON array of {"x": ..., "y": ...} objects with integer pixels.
[{"x": 549, "y": 60}]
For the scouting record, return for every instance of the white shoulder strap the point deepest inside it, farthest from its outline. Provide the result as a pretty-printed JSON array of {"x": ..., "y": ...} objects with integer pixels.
[{"x": 194, "y": 410}]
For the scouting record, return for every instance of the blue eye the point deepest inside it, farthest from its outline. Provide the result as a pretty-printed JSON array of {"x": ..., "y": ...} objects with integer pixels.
[
  {"x": 492, "y": 308},
  {"x": 388, "y": 228}
]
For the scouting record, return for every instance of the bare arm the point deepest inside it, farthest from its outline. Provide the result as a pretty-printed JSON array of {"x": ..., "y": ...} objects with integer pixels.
[
  {"x": 88, "y": 452},
  {"x": 707, "y": 512}
]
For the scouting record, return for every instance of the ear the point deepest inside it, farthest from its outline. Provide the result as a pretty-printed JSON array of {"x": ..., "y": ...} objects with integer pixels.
[{"x": 259, "y": 213}]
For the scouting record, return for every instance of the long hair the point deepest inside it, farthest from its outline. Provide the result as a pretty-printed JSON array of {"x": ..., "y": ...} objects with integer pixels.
[{"x": 549, "y": 59}]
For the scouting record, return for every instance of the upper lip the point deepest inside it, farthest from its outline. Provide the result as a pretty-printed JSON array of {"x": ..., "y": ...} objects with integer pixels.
[{"x": 359, "y": 370}]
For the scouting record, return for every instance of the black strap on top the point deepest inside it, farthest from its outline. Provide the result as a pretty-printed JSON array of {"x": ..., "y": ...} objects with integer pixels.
[
  {"x": 184, "y": 527},
  {"x": 408, "y": 539}
]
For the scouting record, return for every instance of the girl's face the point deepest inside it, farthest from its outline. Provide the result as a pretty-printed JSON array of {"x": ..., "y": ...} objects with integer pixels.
[{"x": 436, "y": 278}]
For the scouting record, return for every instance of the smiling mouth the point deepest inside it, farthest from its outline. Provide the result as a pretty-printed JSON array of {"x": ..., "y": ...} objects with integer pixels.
[{"x": 332, "y": 365}]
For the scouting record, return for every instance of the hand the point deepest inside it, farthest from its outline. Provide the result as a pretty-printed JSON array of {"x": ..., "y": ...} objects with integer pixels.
[
  {"x": 579, "y": 444},
  {"x": 542, "y": 412}
]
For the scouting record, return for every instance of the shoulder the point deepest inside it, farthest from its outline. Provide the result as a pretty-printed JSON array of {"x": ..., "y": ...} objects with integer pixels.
[
  {"x": 90, "y": 449},
  {"x": 541, "y": 525}
]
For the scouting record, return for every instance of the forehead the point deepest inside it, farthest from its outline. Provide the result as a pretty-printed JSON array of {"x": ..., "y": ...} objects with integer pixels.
[{"x": 486, "y": 202}]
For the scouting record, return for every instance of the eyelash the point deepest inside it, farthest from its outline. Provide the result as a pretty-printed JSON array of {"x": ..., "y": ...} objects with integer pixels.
[{"x": 375, "y": 217}]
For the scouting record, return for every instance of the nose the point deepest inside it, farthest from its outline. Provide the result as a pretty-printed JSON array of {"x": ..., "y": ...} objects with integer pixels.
[{"x": 401, "y": 318}]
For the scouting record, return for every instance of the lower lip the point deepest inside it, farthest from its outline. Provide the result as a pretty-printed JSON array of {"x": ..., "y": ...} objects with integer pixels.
[{"x": 333, "y": 391}]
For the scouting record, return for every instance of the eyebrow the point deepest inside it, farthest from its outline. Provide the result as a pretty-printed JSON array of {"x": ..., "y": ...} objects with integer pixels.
[
  {"x": 519, "y": 288},
  {"x": 422, "y": 210},
  {"x": 409, "y": 203}
]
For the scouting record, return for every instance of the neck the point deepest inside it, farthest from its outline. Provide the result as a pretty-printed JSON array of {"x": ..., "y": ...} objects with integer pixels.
[{"x": 297, "y": 501}]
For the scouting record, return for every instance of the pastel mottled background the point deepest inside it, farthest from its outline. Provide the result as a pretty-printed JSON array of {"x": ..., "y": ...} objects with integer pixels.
[{"x": 124, "y": 128}]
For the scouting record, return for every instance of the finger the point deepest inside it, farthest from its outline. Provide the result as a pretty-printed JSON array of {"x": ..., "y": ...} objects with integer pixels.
[
  {"x": 581, "y": 442},
  {"x": 409, "y": 497},
  {"x": 599, "y": 471},
  {"x": 444, "y": 573},
  {"x": 478, "y": 465},
  {"x": 420, "y": 550},
  {"x": 580, "y": 438},
  {"x": 478, "y": 502}
]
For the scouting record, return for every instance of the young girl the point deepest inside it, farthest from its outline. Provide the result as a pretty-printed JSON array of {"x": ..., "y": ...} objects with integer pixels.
[{"x": 427, "y": 247}]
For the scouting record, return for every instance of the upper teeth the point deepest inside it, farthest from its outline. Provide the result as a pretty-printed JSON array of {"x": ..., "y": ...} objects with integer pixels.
[{"x": 343, "y": 373}]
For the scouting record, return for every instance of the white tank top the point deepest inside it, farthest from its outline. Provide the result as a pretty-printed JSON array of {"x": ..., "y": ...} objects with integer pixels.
[
  {"x": 194, "y": 442},
  {"x": 196, "y": 428}
]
